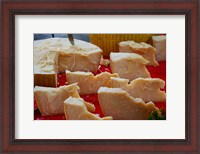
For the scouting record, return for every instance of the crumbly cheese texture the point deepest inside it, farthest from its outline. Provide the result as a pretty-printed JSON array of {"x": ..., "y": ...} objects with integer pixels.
[
  {"x": 75, "y": 109},
  {"x": 50, "y": 100},
  {"x": 88, "y": 83},
  {"x": 148, "y": 89},
  {"x": 55, "y": 55},
  {"x": 159, "y": 42},
  {"x": 120, "y": 105},
  {"x": 143, "y": 49},
  {"x": 129, "y": 65}
]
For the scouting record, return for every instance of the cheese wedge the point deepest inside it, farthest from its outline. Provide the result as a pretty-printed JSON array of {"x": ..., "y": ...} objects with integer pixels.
[
  {"x": 148, "y": 89},
  {"x": 120, "y": 105},
  {"x": 143, "y": 49},
  {"x": 75, "y": 109},
  {"x": 88, "y": 83},
  {"x": 50, "y": 100},
  {"x": 55, "y": 55},
  {"x": 159, "y": 42},
  {"x": 129, "y": 65}
]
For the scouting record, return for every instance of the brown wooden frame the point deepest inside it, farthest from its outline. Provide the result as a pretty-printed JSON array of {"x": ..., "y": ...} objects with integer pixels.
[{"x": 189, "y": 8}]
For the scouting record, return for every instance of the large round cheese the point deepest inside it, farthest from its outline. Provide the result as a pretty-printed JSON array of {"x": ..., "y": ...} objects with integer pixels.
[{"x": 55, "y": 55}]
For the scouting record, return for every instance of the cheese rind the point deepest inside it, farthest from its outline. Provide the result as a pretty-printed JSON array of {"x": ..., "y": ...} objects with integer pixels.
[
  {"x": 50, "y": 100},
  {"x": 129, "y": 65},
  {"x": 143, "y": 49},
  {"x": 122, "y": 106},
  {"x": 159, "y": 42},
  {"x": 88, "y": 83},
  {"x": 148, "y": 89},
  {"x": 75, "y": 109},
  {"x": 55, "y": 55}
]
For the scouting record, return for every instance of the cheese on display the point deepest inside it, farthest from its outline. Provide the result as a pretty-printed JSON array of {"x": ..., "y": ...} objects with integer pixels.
[
  {"x": 143, "y": 49},
  {"x": 50, "y": 100},
  {"x": 148, "y": 89},
  {"x": 88, "y": 83},
  {"x": 120, "y": 105},
  {"x": 55, "y": 55},
  {"x": 75, "y": 109},
  {"x": 129, "y": 65},
  {"x": 159, "y": 42}
]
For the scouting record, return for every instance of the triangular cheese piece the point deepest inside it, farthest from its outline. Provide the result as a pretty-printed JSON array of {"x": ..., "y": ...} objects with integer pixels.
[
  {"x": 88, "y": 83},
  {"x": 75, "y": 109},
  {"x": 120, "y": 105}
]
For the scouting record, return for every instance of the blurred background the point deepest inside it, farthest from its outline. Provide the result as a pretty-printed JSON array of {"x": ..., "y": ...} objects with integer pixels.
[{"x": 84, "y": 37}]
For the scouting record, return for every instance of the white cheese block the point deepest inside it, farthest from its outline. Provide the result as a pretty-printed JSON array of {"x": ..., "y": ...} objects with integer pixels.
[
  {"x": 84, "y": 58},
  {"x": 147, "y": 89},
  {"x": 55, "y": 55},
  {"x": 120, "y": 105},
  {"x": 129, "y": 65},
  {"x": 50, "y": 100},
  {"x": 88, "y": 83},
  {"x": 75, "y": 109},
  {"x": 159, "y": 42},
  {"x": 143, "y": 49}
]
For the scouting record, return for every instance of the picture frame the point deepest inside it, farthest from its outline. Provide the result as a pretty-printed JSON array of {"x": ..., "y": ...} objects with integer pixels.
[{"x": 188, "y": 8}]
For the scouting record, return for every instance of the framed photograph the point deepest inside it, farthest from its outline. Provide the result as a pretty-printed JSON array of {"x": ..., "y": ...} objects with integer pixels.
[{"x": 114, "y": 76}]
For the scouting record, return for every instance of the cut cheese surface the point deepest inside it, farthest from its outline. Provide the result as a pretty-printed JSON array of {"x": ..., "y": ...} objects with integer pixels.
[
  {"x": 148, "y": 89},
  {"x": 159, "y": 42},
  {"x": 88, "y": 83},
  {"x": 118, "y": 82},
  {"x": 143, "y": 49},
  {"x": 50, "y": 100},
  {"x": 79, "y": 60},
  {"x": 75, "y": 109},
  {"x": 129, "y": 65},
  {"x": 55, "y": 55},
  {"x": 120, "y": 105}
]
